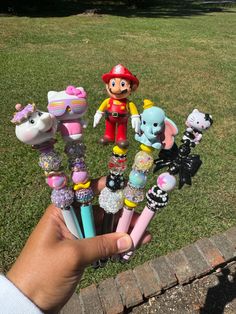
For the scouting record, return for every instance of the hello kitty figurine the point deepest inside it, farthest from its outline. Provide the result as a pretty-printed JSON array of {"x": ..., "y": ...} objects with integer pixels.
[
  {"x": 68, "y": 106},
  {"x": 196, "y": 123},
  {"x": 33, "y": 126}
]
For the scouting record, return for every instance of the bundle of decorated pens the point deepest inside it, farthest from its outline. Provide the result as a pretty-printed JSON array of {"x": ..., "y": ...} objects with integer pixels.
[
  {"x": 38, "y": 129},
  {"x": 156, "y": 132},
  {"x": 179, "y": 161}
]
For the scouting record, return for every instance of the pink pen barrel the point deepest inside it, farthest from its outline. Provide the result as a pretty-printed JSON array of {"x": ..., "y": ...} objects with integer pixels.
[
  {"x": 125, "y": 220},
  {"x": 139, "y": 229}
]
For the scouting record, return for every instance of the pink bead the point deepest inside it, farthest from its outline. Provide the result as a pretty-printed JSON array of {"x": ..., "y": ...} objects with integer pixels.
[
  {"x": 80, "y": 177},
  {"x": 56, "y": 182},
  {"x": 166, "y": 182}
]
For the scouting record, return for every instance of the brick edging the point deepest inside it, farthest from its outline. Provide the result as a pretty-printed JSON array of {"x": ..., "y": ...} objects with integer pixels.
[{"x": 132, "y": 287}]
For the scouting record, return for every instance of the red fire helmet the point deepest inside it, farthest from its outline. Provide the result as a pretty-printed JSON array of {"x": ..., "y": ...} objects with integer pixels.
[{"x": 121, "y": 72}]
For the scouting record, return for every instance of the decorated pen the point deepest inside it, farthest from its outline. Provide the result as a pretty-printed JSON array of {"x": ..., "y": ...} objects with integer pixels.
[
  {"x": 69, "y": 106},
  {"x": 157, "y": 131},
  {"x": 111, "y": 198},
  {"x": 37, "y": 128}
]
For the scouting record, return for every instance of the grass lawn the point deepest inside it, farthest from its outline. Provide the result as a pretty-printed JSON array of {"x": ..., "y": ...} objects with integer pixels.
[{"x": 183, "y": 62}]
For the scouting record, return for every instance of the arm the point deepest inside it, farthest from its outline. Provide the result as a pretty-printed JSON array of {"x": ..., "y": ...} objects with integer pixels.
[
  {"x": 103, "y": 105},
  {"x": 133, "y": 109},
  {"x": 52, "y": 262},
  {"x": 100, "y": 112},
  {"x": 135, "y": 118}
]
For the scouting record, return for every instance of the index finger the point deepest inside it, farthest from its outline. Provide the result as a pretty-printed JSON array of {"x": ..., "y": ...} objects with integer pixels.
[{"x": 98, "y": 184}]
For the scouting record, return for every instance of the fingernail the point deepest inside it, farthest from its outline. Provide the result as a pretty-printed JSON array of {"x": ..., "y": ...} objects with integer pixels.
[{"x": 124, "y": 244}]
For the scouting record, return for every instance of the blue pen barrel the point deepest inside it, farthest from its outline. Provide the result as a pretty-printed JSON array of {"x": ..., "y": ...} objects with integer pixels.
[{"x": 88, "y": 220}]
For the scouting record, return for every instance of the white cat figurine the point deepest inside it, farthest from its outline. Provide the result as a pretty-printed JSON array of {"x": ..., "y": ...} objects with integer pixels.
[{"x": 196, "y": 123}]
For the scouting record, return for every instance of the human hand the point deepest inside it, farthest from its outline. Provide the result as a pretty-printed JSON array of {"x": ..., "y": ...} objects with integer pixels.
[{"x": 52, "y": 260}]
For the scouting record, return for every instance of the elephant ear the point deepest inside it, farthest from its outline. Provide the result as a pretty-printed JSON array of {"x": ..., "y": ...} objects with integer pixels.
[{"x": 169, "y": 132}]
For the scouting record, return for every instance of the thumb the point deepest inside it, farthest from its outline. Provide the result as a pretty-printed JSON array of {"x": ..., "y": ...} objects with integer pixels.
[{"x": 93, "y": 249}]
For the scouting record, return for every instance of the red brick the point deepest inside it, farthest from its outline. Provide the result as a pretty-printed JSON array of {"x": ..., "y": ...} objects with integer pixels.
[
  {"x": 129, "y": 290},
  {"x": 148, "y": 282},
  {"x": 90, "y": 300},
  {"x": 196, "y": 261},
  {"x": 181, "y": 267},
  {"x": 231, "y": 235},
  {"x": 224, "y": 245},
  {"x": 110, "y": 297},
  {"x": 164, "y": 272},
  {"x": 210, "y": 252}
]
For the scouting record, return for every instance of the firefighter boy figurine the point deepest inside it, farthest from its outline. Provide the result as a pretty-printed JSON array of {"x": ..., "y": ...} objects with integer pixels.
[{"x": 120, "y": 82}]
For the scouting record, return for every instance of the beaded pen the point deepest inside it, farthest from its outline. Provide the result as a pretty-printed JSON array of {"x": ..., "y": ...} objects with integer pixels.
[
  {"x": 111, "y": 198},
  {"x": 180, "y": 161},
  {"x": 38, "y": 129},
  {"x": 157, "y": 131},
  {"x": 69, "y": 106}
]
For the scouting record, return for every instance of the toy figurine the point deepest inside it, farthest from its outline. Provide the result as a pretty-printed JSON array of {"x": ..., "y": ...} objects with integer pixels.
[
  {"x": 38, "y": 129},
  {"x": 69, "y": 106},
  {"x": 157, "y": 130},
  {"x": 196, "y": 123},
  {"x": 33, "y": 127},
  {"x": 179, "y": 160},
  {"x": 120, "y": 82}
]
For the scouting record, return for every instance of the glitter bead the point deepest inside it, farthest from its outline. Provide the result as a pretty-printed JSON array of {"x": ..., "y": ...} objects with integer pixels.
[
  {"x": 137, "y": 179},
  {"x": 117, "y": 165},
  {"x": 75, "y": 149},
  {"x": 142, "y": 161},
  {"x": 63, "y": 197},
  {"x": 50, "y": 161},
  {"x": 166, "y": 182},
  {"x": 110, "y": 201},
  {"x": 77, "y": 164},
  {"x": 133, "y": 194},
  {"x": 115, "y": 182},
  {"x": 84, "y": 196},
  {"x": 156, "y": 198}
]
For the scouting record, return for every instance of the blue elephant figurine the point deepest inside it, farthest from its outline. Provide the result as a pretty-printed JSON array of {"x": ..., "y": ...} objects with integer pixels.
[{"x": 157, "y": 130}]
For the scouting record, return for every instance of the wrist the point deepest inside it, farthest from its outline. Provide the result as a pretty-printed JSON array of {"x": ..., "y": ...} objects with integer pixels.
[
  {"x": 28, "y": 287},
  {"x": 12, "y": 300}
]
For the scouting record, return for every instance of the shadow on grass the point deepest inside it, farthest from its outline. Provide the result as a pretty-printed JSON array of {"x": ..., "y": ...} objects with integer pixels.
[{"x": 129, "y": 8}]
